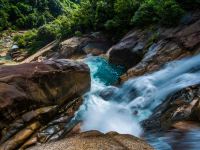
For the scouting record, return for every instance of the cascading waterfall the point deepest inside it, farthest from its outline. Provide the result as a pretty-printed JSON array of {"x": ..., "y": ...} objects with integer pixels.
[{"x": 123, "y": 108}]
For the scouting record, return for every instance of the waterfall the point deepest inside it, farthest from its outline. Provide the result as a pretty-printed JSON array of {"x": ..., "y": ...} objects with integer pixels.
[{"x": 123, "y": 108}]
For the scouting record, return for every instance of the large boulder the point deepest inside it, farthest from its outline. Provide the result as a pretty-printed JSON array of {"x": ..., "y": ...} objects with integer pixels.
[
  {"x": 94, "y": 44},
  {"x": 70, "y": 46},
  {"x": 129, "y": 50},
  {"x": 95, "y": 140},
  {"x": 29, "y": 86},
  {"x": 188, "y": 35},
  {"x": 39, "y": 126}
]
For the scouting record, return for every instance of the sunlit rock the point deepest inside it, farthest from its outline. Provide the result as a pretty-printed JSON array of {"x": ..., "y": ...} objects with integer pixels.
[{"x": 95, "y": 140}]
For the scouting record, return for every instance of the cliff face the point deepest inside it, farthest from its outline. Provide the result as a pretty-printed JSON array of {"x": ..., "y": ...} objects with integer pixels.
[{"x": 145, "y": 51}]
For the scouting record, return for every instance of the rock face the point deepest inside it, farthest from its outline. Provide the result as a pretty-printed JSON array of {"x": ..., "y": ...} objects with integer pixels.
[
  {"x": 95, "y": 140},
  {"x": 36, "y": 93},
  {"x": 147, "y": 51},
  {"x": 182, "y": 106},
  {"x": 42, "y": 83},
  {"x": 94, "y": 44},
  {"x": 159, "y": 47},
  {"x": 129, "y": 51}
]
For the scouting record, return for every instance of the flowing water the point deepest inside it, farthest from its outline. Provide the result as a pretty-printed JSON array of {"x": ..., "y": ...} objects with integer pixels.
[{"x": 121, "y": 109}]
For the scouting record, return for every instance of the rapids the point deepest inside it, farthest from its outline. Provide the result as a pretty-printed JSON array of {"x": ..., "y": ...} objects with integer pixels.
[{"x": 124, "y": 107}]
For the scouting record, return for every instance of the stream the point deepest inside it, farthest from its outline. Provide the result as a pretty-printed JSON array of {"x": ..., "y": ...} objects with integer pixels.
[{"x": 107, "y": 108}]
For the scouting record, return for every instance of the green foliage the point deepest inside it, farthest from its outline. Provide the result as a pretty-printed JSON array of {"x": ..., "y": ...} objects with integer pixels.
[
  {"x": 146, "y": 14},
  {"x": 153, "y": 39},
  {"x": 125, "y": 9},
  {"x": 35, "y": 39},
  {"x": 116, "y": 14},
  {"x": 3, "y": 20},
  {"x": 49, "y": 32},
  {"x": 165, "y": 12},
  {"x": 26, "y": 39},
  {"x": 92, "y": 14},
  {"x": 26, "y": 14},
  {"x": 57, "y": 19},
  {"x": 169, "y": 12},
  {"x": 112, "y": 24},
  {"x": 78, "y": 33}
]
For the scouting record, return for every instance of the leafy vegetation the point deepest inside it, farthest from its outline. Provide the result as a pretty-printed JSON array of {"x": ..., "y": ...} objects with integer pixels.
[
  {"x": 25, "y": 14},
  {"x": 167, "y": 13},
  {"x": 63, "y": 18}
]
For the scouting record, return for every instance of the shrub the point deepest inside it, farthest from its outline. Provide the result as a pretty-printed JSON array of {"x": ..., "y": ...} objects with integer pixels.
[
  {"x": 55, "y": 7},
  {"x": 64, "y": 18},
  {"x": 169, "y": 12},
  {"x": 164, "y": 12},
  {"x": 26, "y": 39},
  {"x": 112, "y": 24},
  {"x": 146, "y": 14},
  {"x": 30, "y": 13},
  {"x": 49, "y": 32},
  {"x": 77, "y": 33},
  {"x": 66, "y": 26},
  {"x": 3, "y": 20},
  {"x": 126, "y": 8}
]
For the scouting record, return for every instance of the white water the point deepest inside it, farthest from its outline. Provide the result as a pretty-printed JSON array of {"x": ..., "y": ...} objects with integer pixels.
[{"x": 136, "y": 99}]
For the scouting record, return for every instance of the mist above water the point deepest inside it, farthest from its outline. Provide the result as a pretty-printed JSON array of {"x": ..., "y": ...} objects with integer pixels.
[{"x": 125, "y": 107}]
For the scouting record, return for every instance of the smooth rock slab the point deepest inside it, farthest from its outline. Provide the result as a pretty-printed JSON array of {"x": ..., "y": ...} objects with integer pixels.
[
  {"x": 29, "y": 86},
  {"x": 94, "y": 140},
  {"x": 129, "y": 50},
  {"x": 20, "y": 137},
  {"x": 86, "y": 44}
]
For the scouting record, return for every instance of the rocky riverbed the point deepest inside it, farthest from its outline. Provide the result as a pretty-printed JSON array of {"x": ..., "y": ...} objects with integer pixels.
[{"x": 67, "y": 88}]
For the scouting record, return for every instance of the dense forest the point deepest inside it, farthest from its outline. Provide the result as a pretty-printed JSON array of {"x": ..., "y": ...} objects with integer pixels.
[{"x": 48, "y": 20}]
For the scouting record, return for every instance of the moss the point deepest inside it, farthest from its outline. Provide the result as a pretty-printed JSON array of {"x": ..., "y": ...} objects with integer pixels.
[
  {"x": 78, "y": 33},
  {"x": 153, "y": 39}
]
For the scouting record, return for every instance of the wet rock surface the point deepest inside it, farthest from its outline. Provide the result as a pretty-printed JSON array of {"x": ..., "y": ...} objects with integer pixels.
[
  {"x": 108, "y": 92},
  {"x": 42, "y": 83},
  {"x": 181, "y": 106},
  {"x": 96, "y": 140},
  {"x": 159, "y": 47},
  {"x": 38, "y": 99},
  {"x": 75, "y": 47},
  {"x": 129, "y": 50},
  {"x": 165, "y": 45},
  {"x": 50, "y": 126}
]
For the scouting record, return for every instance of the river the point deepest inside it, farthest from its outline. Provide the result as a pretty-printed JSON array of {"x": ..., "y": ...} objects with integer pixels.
[{"x": 107, "y": 108}]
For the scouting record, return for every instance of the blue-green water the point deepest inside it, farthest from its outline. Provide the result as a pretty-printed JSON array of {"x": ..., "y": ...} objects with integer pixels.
[
  {"x": 103, "y": 71},
  {"x": 5, "y": 58},
  {"x": 175, "y": 140},
  {"x": 134, "y": 101}
]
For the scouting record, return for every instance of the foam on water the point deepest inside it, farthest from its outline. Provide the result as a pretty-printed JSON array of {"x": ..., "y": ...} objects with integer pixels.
[{"x": 136, "y": 99}]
